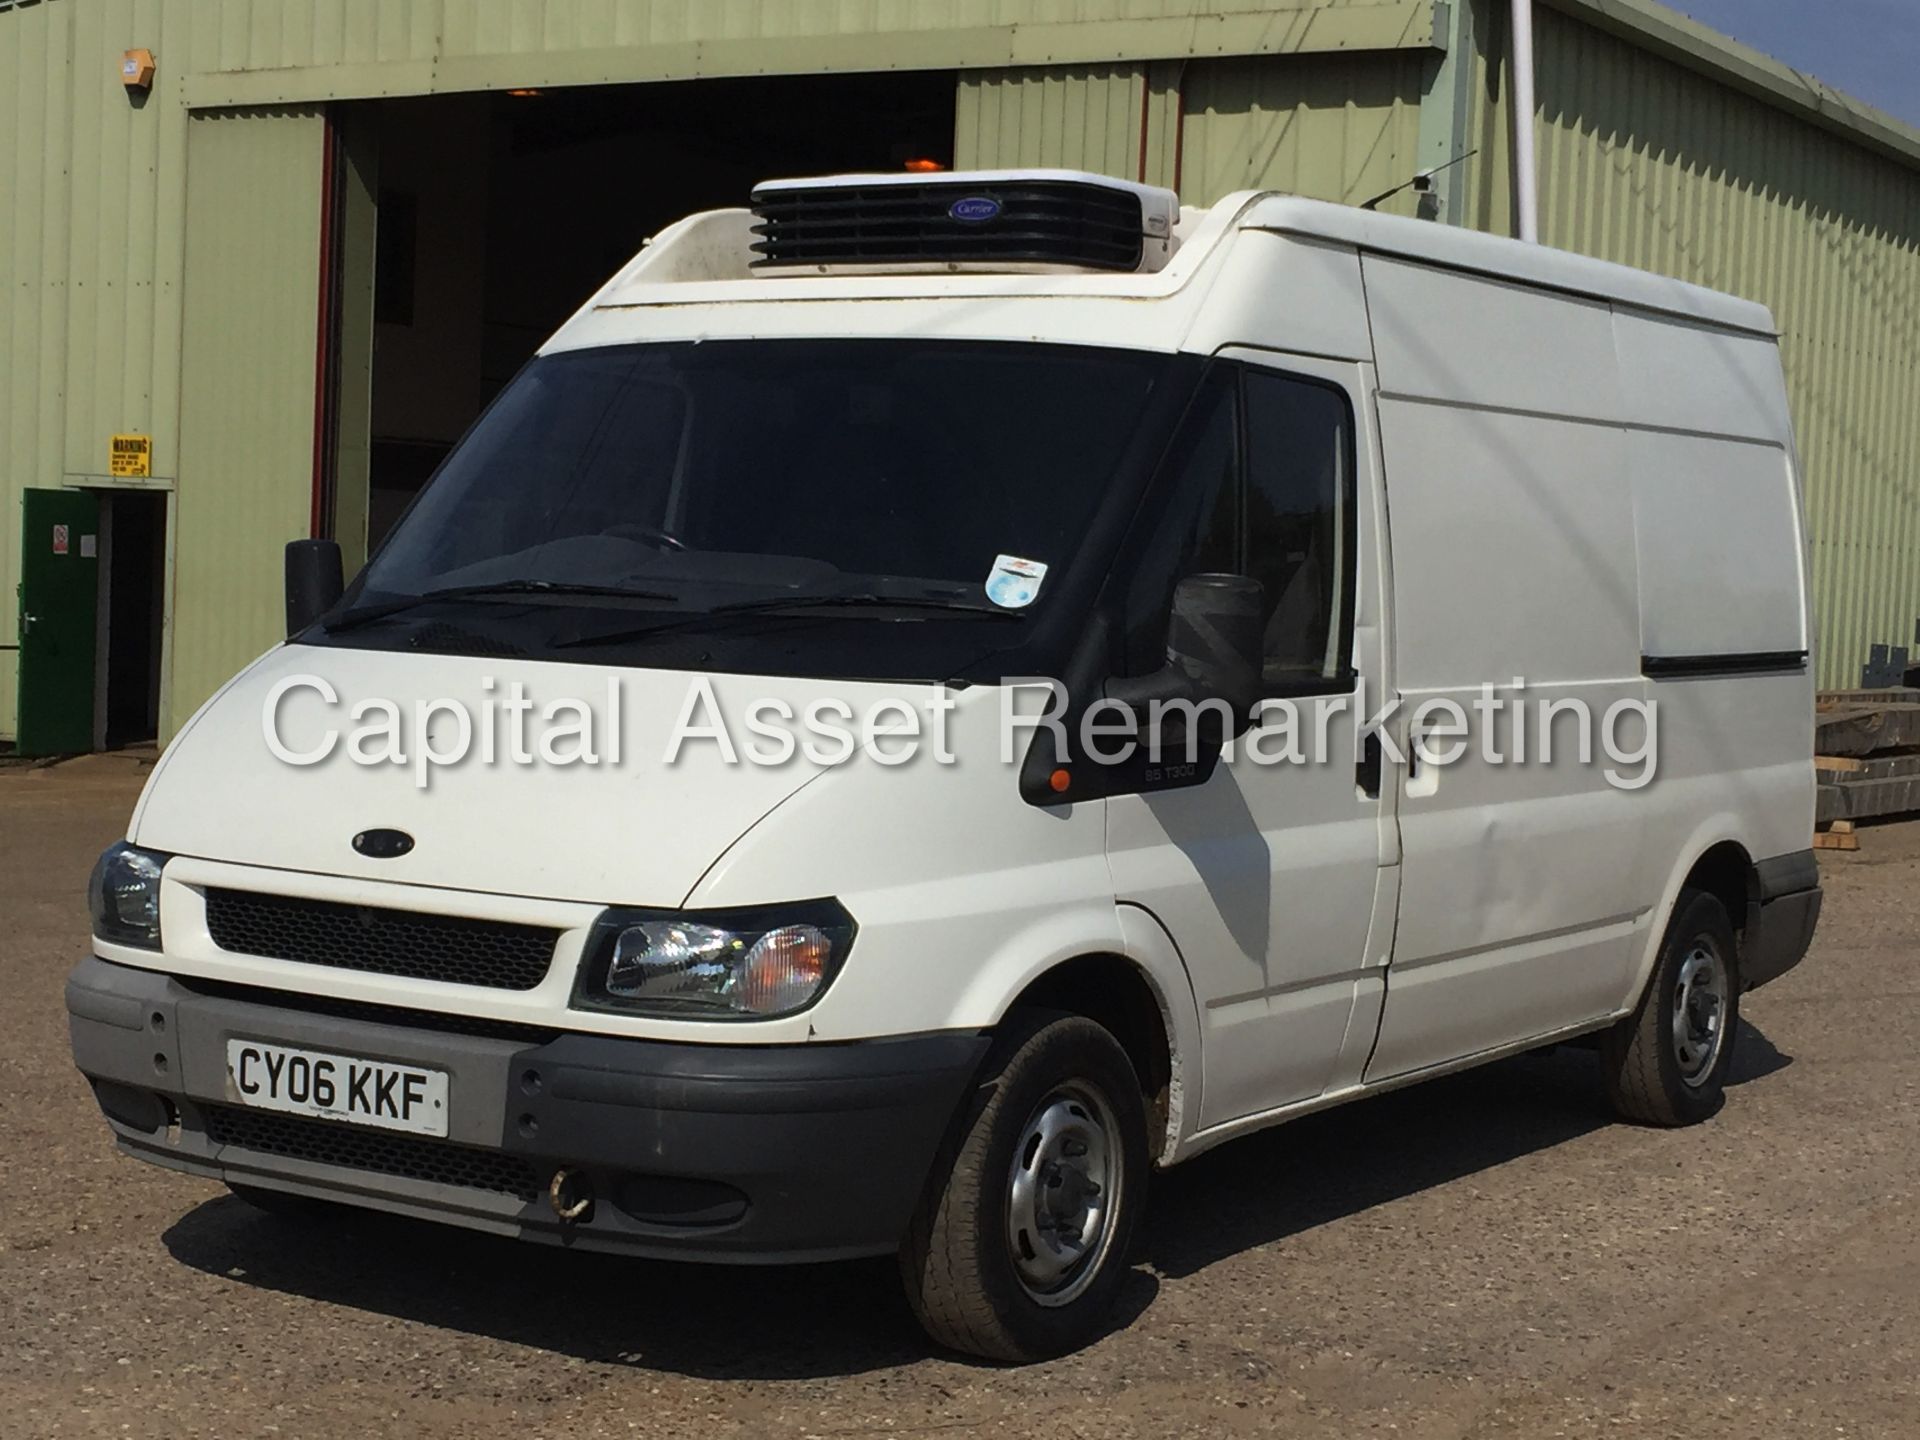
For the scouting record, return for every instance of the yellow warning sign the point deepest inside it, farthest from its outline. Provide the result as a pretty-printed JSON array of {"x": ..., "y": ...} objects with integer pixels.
[{"x": 132, "y": 457}]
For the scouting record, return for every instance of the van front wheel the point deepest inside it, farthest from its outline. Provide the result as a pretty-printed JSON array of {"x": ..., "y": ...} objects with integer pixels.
[
  {"x": 1023, "y": 1237},
  {"x": 1666, "y": 1064}
]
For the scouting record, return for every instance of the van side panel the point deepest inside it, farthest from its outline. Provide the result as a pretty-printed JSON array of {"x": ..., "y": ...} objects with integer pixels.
[
  {"x": 1448, "y": 337},
  {"x": 1726, "y": 627},
  {"x": 1519, "y": 882},
  {"x": 1677, "y": 375},
  {"x": 1604, "y": 501},
  {"x": 1715, "y": 522},
  {"x": 1514, "y": 562}
]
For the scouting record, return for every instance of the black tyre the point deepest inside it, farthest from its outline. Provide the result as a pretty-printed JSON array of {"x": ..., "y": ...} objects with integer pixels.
[
  {"x": 1024, "y": 1236},
  {"x": 1666, "y": 1064}
]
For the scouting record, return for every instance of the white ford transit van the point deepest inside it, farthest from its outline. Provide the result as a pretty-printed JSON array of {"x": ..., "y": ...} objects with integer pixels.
[{"x": 936, "y": 695}]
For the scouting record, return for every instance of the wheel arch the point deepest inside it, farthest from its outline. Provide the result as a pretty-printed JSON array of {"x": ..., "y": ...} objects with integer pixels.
[
  {"x": 1725, "y": 871},
  {"x": 1155, "y": 1023},
  {"x": 1716, "y": 861}
]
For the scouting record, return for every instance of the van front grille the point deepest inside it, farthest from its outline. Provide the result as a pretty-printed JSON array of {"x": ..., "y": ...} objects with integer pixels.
[
  {"x": 1052, "y": 222},
  {"x": 445, "y": 948},
  {"x": 441, "y": 1021},
  {"x": 329, "y": 1142}
]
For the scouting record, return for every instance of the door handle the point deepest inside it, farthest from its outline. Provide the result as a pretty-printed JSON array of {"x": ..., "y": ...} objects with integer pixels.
[
  {"x": 1423, "y": 776},
  {"x": 1366, "y": 771},
  {"x": 26, "y": 622}
]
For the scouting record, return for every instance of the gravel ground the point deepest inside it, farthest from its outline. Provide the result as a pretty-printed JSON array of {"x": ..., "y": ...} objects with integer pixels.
[{"x": 1486, "y": 1256}]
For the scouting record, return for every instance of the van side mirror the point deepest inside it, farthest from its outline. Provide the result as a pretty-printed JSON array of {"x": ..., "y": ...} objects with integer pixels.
[
  {"x": 1215, "y": 649},
  {"x": 315, "y": 581}
]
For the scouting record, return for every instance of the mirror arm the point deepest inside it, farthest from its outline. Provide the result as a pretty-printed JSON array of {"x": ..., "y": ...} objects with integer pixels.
[
  {"x": 1172, "y": 683},
  {"x": 1139, "y": 692}
]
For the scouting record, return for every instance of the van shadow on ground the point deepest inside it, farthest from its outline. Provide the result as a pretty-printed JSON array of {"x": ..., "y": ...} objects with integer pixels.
[{"x": 847, "y": 1319}]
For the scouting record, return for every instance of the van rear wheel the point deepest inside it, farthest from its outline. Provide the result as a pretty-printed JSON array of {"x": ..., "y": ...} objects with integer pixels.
[
  {"x": 1023, "y": 1238},
  {"x": 1666, "y": 1064}
]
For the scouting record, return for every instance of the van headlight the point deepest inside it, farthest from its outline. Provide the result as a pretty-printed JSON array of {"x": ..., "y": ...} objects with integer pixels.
[
  {"x": 716, "y": 965},
  {"x": 124, "y": 896}
]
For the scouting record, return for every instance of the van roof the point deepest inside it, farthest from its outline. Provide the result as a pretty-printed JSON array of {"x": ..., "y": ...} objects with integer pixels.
[
  {"x": 707, "y": 260},
  {"x": 1501, "y": 258}
]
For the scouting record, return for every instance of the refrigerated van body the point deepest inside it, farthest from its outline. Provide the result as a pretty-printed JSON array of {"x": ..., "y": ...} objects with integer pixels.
[{"x": 751, "y": 1011}]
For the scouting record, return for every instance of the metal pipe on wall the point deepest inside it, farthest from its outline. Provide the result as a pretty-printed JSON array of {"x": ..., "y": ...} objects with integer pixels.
[{"x": 1526, "y": 162}]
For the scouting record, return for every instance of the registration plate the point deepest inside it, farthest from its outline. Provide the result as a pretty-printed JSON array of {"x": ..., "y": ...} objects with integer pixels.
[{"x": 337, "y": 1087}]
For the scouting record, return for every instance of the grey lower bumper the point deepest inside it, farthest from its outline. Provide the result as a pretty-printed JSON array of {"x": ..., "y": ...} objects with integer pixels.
[
  {"x": 1785, "y": 935},
  {"x": 1782, "y": 919},
  {"x": 724, "y": 1152}
]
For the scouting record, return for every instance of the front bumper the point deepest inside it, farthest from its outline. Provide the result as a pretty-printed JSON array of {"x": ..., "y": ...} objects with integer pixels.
[{"x": 719, "y": 1152}]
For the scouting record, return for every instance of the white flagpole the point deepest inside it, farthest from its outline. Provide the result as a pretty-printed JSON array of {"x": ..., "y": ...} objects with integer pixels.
[{"x": 1526, "y": 162}]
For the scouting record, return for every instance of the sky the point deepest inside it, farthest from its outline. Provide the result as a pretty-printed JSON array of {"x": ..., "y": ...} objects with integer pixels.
[{"x": 1868, "y": 48}]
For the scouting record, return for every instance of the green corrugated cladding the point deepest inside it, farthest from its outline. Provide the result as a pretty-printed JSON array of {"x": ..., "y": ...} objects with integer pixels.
[
  {"x": 249, "y": 357},
  {"x": 1646, "y": 161},
  {"x": 1643, "y": 162},
  {"x": 35, "y": 114},
  {"x": 94, "y": 218},
  {"x": 1336, "y": 127},
  {"x": 1069, "y": 117},
  {"x": 1657, "y": 166},
  {"x": 92, "y": 225}
]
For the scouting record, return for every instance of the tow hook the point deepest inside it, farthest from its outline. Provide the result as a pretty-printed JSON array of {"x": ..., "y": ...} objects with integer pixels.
[{"x": 570, "y": 1195}]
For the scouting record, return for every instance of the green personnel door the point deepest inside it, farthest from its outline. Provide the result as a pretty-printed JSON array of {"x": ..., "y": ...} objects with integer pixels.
[{"x": 59, "y": 590}]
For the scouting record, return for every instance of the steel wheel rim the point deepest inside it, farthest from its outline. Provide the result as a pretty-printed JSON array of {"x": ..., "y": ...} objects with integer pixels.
[
  {"x": 1063, "y": 1191},
  {"x": 1700, "y": 1013}
]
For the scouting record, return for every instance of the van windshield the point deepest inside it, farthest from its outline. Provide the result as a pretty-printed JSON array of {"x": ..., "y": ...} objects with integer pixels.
[{"x": 738, "y": 475}]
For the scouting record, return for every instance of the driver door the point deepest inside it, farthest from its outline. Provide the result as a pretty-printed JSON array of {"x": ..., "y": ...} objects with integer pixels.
[{"x": 1276, "y": 877}]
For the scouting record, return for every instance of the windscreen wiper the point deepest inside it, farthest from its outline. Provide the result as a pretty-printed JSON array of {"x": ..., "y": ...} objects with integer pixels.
[
  {"x": 367, "y": 614},
  {"x": 792, "y": 605}
]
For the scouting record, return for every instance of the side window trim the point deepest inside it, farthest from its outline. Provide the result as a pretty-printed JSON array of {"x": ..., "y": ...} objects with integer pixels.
[{"x": 1340, "y": 678}]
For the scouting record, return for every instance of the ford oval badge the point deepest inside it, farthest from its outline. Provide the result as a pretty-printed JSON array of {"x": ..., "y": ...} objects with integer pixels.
[
  {"x": 383, "y": 844},
  {"x": 974, "y": 209}
]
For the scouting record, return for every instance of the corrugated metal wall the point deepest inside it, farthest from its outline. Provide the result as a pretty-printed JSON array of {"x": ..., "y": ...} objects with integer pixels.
[
  {"x": 123, "y": 314},
  {"x": 1645, "y": 162},
  {"x": 94, "y": 192},
  {"x": 1332, "y": 127},
  {"x": 95, "y": 225},
  {"x": 91, "y": 231},
  {"x": 475, "y": 44},
  {"x": 1655, "y": 166},
  {"x": 281, "y": 34},
  {"x": 247, "y": 412},
  {"x": 1335, "y": 127},
  {"x": 35, "y": 146},
  {"x": 1089, "y": 118}
]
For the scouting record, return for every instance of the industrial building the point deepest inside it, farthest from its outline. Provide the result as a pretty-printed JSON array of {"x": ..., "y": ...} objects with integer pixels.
[{"x": 262, "y": 261}]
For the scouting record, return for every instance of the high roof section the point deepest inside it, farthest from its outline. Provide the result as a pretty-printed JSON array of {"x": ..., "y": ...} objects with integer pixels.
[
  {"x": 1497, "y": 256},
  {"x": 709, "y": 259}
]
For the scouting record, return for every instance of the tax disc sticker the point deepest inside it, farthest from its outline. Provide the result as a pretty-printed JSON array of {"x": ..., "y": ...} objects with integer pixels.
[{"x": 1014, "y": 584}]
